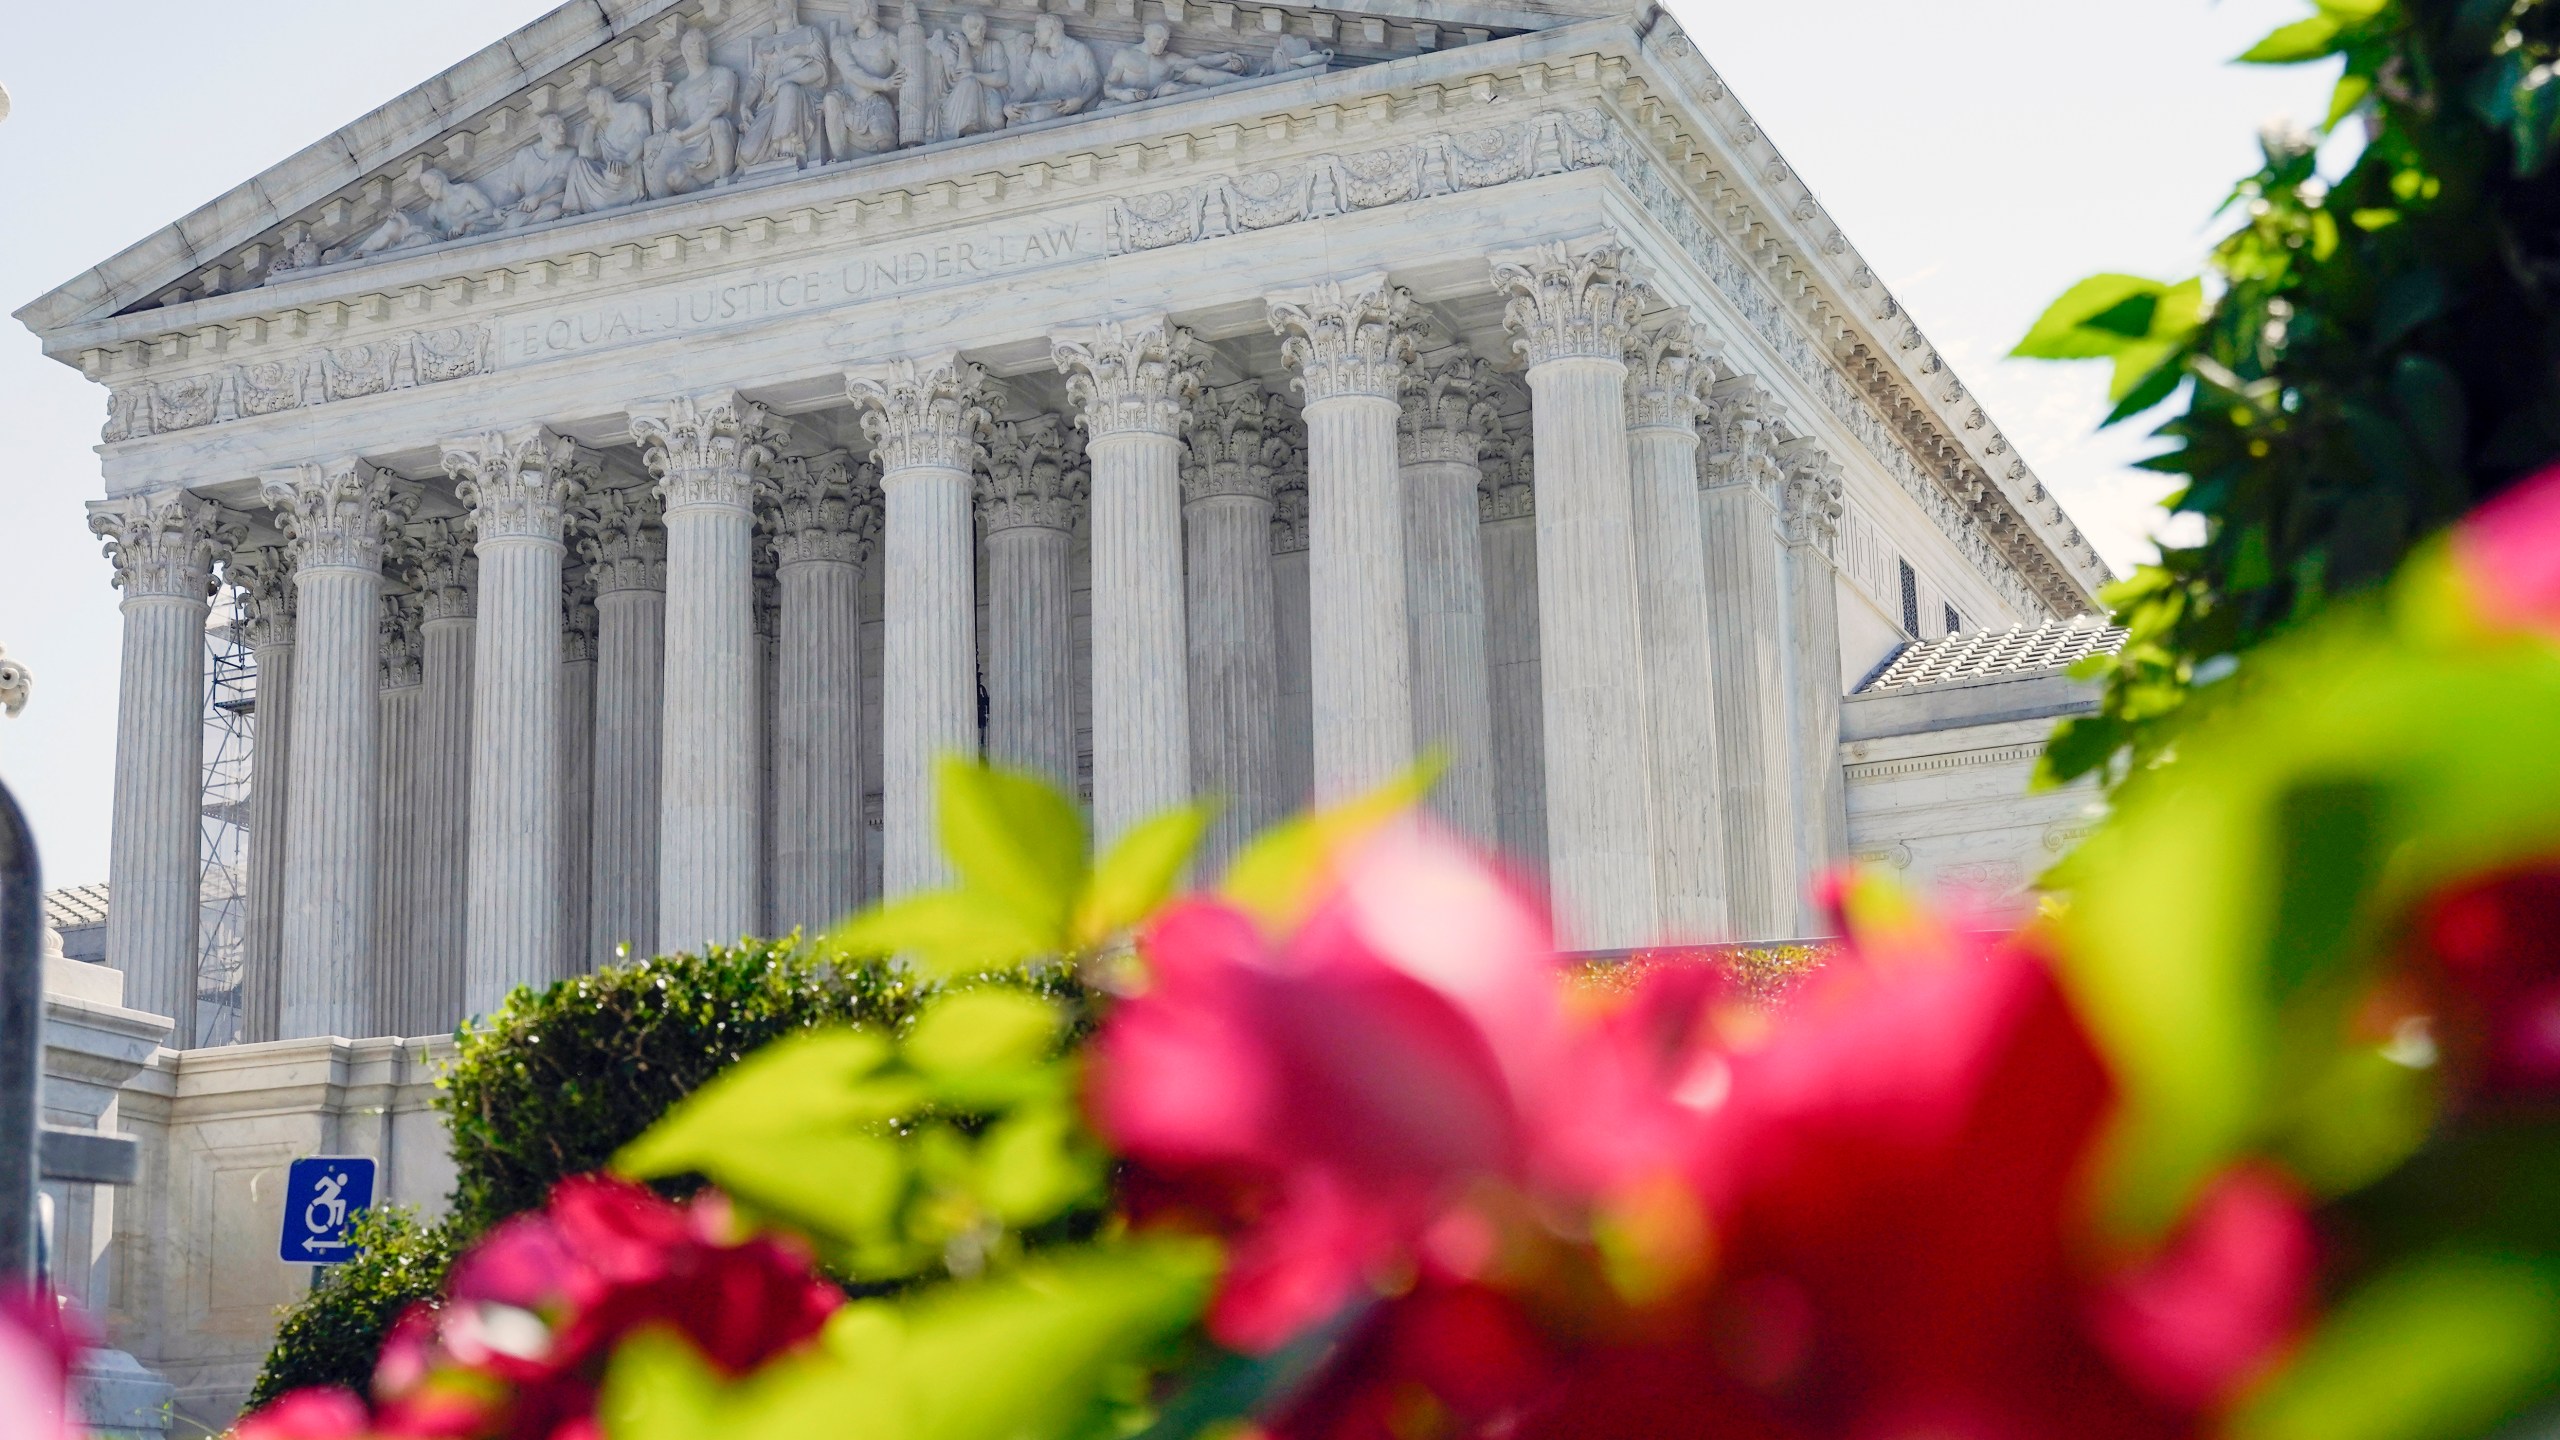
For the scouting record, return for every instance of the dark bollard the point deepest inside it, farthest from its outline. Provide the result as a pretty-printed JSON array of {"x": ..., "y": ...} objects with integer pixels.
[{"x": 21, "y": 1042}]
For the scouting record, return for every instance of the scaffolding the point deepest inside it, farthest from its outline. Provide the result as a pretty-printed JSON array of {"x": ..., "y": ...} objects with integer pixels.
[{"x": 230, "y": 726}]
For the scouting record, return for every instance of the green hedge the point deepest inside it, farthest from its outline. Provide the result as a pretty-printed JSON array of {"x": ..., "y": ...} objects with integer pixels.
[{"x": 551, "y": 1086}]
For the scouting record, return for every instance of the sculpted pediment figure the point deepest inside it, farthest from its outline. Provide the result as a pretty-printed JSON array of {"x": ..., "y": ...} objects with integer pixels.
[
  {"x": 861, "y": 112},
  {"x": 454, "y": 208},
  {"x": 1054, "y": 74},
  {"x": 609, "y": 155},
  {"x": 694, "y": 122},
  {"x": 786, "y": 76},
  {"x": 1151, "y": 70}
]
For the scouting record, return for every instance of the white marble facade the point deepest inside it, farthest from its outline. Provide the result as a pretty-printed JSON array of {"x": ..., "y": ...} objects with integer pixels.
[{"x": 644, "y": 448}]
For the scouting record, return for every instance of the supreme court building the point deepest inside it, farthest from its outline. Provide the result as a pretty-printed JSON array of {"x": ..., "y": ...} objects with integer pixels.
[{"x": 636, "y": 454}]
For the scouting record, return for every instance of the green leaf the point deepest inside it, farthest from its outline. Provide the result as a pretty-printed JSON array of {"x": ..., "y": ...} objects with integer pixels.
[
  {"x": 2090, "y": 321},
  {"x": 949, "y": 932},
  {"x": 1037, "y": 1163},
  {"x": 1276, "y": 878},
  {"x": 2448, "y": 1345},
  {"x": 1012, "y": 835},
  {"x": 1035, "y": 1355},
  {"x": 2295, "y": 43},
  {"x": 2347, "y": 98},
  {"x": 2408, "y": 300},
  {"x": 983, "y": 1030},
  {"x": 1139, "y": 874}
]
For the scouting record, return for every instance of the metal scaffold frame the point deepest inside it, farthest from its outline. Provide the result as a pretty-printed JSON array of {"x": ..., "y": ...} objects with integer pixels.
[{"x": 230, "y": 734}]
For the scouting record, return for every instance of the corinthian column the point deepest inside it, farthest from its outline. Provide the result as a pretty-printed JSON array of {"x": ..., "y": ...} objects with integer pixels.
[
  {"x": 265, "y": 579},
  {"x": 1663, "y": 374},
  {"x": 446, "y": 574},
  {"x": 1570, "y": 312},
  {"x": 929, "y": 431},
  {"x": 1028, "y": 500},
  {"x": 519, "y": 487},
  {"x": 1507, "y": 512},
  {"x": 1227, "y": 508},
  {"x": 1350, "y": 342},
  {"x": 626, "y": 551},
  {"x": 164, "y": 546},
  {"x": 397, "y": 706},
  {"x": 1292, "y": 614},
  {"x": 1133, "y": 384},
  {"x": 1443, "y": 424},
  {"x": 704, "y": 449},
  {"x": 1740, "y": 489},
  {"x": 817, "y": 764},
  {"x": 578, "y": 625},
  {"x": 338, "y": 516},
  {"x": 1810, "y": 522}
]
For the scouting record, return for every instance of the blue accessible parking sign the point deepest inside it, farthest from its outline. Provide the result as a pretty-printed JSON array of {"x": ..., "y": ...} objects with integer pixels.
[{"x": 323, "y": 1194}]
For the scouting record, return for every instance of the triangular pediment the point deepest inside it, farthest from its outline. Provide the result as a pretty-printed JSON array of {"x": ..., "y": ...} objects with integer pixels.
[{"x": 596, "y": 107}]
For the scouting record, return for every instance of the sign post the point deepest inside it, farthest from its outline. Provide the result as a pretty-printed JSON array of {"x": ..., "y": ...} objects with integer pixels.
[{"x": 323, "y": 1194}]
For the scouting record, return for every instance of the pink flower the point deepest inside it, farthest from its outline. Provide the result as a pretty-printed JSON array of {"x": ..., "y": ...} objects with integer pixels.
[
  {"x": 320, "y": 1413},
  {"x": 2493, "y": 946},
  {"x": 1325, "y": 1097},
  {"x": 2508, "y": 553},
  {"x": 39, "y": 1345}
]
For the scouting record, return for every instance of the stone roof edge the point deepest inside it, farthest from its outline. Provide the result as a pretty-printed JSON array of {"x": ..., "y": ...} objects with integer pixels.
[
  {"x": 1850, "y": 314},
  {"x": 488, "y": 77}
]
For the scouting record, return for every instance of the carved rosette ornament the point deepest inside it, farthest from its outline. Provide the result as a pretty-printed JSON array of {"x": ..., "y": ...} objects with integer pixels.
[
  {"x": 1131, "y": 378},
  {"x": 1571, "y": 301},
  {"x": 1036, "y": 477},
  {"x": 518, "y": 485},
  {"x": 814, "y": 511},
  {"x": 264, "y": 578},
  {"x": 1347, "y": 338},
  {"x": 704, "y": 449},
  {"x": 445, "y": 568},
  {"x": 1233, "y": 449},
  {"x": 164, "y": 545},
  {"x": 1810, "y": 513},
  {"x": 339, "y": 515},
  {"x": 623, "y": 538},
  {"x": 1742, "y": 435},
  {"x": 1666, "y": 376},
  {"x": 925, "y": 414},
  {"x": 1447, "y": 410},
  {"x": 403, "y": 659}
]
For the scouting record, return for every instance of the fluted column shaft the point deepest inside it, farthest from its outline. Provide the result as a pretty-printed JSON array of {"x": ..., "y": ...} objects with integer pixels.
[
  {"x": 266, "y": 582},
  {"x": 631, "y": 628},
  {"x": 1810, "y": 524},
  {"x": 1031, "y": 678},
  {"x": 1350, "y": 342},
  {"x": 1234, "y": 665},
  {"x": 625, "y": 546},
  {"x": 925, "y": 421},
  {"x": 1134, "y": 383},
  {"x": 1672, "y": 589},
  {"x": 577, "y": 798},
  {"x": 336, "y": 515},
  {"x": 1744, "y": 617},
  {"x": 441, "y": 895},
  {"x": 818, "y": 829},
  {"x": 164, "y": 547},
  {"x": 518, "y": 486},
  {"x": 1570, "y": 311},
  {"x": 1444, "y": 584},
  {"x": 703, "y": 450},
  {"x": 1510, "y": 542},
  {"x": 1293, "y": 614},
  {"x": 385, "y": 1005}
]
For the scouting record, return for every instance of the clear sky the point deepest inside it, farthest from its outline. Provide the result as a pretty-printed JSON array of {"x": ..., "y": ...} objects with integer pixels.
[{"x": 1982, "y": 154}]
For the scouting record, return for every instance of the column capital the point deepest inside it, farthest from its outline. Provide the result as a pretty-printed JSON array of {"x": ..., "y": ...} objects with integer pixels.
[
  {"x": 1347, "y": 337},
  {"x": 821, "y": 508},
  {"x": 339, "y": 513},
  {"x": 264, "y": 578},
  {"x": 1743, "y": 428},
  {"x": 1036, "y": 476},
  {"x": 1571, "y": 300},
  {"x": 704, "y": 448},
  {"x": 923, "y": 413},
  {"x": 1809, "y": 515},
  {"x": 622, "y": 535},
  {"x": 1447, "y": 409},
  {"x": 1666, "y": 375},
  {"x": 1289, "y": 517},
  {"x": 1239, "y": 444},
  {"x": 518, "y": 483},
  {"x": 578, "y": 619},
  {"x": 444, "y": 568},
  {"x": 164, "y": 544},
  {"x": 1131, "y": 377},
  {"x": 402, "y": 659},
  {"x": 1508, "y": 488}
]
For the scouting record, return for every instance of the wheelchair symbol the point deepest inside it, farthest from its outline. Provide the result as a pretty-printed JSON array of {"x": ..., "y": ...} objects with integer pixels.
[{"x": 326, "y": 1215}]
